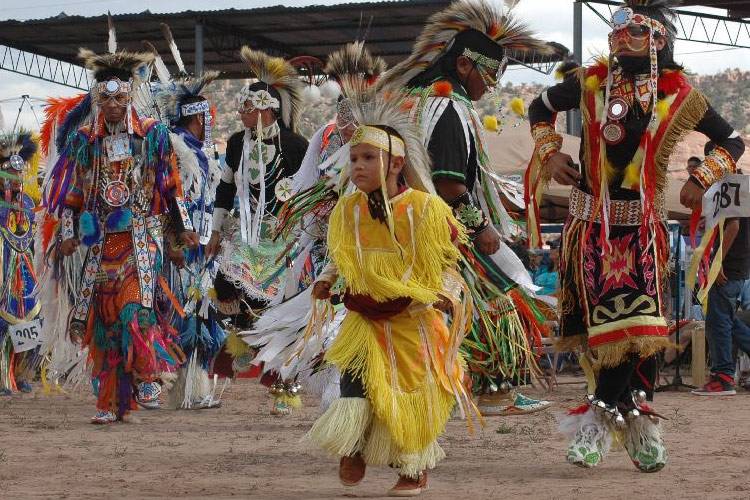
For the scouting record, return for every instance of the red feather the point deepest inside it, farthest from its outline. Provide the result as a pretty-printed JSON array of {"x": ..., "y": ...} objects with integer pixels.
[
  {"x": 600, "y": 70},
  {"x": 671, "y": 82},
  {"x": 580, "y": 410},
  {"x": 48, "y": 229},
  {"x": 55, "y": 111},
  {"x": 442, "y": 88}
]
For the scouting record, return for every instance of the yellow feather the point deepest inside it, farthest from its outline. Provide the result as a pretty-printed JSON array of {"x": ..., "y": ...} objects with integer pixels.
[
  {"x": 518, "y": 107},
  {"x": 31, "y": 177},
  {"x": 235, "y": 346},
  {"x": 276, "y": 66},
  {"x": 490, "y": 123},
  {"x": 632, "y": 176},
  {"x": 662, "y": 109},
  {"x": 593, "y": 83}
]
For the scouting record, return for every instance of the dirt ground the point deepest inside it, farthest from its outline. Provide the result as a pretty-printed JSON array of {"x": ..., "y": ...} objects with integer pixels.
[{"x": 49, "y": 450}]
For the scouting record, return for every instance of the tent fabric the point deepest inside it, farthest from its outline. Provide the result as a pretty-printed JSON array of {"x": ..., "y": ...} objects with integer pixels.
[{"x": 510, "y": 150}]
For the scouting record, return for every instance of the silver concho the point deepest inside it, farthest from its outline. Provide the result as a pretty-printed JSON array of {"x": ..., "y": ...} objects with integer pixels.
[
  {"x": 617, "y": 109},
  {"x": 116, "y": 193},
  {"x": 283, "y": 189},
  {"x": 112, "y": 86},
  {"x": 613, "y": 133},
  {"x": 16, "y": 162}
]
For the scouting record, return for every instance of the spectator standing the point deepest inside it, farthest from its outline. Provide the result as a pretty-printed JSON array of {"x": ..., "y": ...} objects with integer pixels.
[{"x": 722, "y": 323}]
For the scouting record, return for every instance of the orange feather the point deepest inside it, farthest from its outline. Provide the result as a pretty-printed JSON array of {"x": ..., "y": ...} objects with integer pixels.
[{"x": 55, "y": 111}]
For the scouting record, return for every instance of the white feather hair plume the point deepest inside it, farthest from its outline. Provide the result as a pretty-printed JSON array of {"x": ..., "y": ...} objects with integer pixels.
[
  {"x": 112, "y": 38},
  {"x": 167, "y": 32},
  {"x": 162, "y": 72}
]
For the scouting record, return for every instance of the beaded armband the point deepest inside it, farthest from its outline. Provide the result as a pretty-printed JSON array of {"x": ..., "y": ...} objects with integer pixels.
[
  {"x": 187, "y": 224},
  {"x": 469, "y": 214},
  {"x": 716, "y": 165},
  {"x": 548, "y": 142},
  {"x": 67, "y": 225}
]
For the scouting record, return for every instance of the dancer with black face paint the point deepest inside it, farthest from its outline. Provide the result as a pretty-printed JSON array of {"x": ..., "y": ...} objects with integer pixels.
[{"x": 613, "y": 267}]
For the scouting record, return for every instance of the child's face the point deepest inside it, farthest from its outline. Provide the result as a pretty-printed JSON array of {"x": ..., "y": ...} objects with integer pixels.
[{"x": 366, "y": 164}]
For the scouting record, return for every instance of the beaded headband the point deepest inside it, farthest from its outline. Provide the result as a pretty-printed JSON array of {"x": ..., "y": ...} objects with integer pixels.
[
  {"x": 112, "y": 87},
  {"x": 194, "y": 108},
  {"x": 380, "y": 139}
]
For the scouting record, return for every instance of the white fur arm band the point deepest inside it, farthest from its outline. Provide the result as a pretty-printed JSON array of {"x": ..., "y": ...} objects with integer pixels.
[
  {"x": 329, "y": 274},
  {"x": 220, "y": 215}
]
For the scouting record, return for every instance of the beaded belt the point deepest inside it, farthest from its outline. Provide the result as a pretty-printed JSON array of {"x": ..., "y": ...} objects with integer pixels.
[{"x": 621, "y": 212}]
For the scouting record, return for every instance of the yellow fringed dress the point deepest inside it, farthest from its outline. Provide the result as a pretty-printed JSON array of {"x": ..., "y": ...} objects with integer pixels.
[{"x": 409, "y": 363}]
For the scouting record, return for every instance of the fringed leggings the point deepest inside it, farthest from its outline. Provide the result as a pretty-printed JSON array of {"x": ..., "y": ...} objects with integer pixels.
[{"x": 615, "y": 384}]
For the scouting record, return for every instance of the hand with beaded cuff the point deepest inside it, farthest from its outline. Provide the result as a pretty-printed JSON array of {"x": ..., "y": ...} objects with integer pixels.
[
  {"x": 555, "y": 165},
  {"x": 718, "y": 163}
]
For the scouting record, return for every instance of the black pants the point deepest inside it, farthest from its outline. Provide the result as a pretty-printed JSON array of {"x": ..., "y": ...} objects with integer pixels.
[
  {"x": 615, "y": 384},
  {"x": 226, "y": 291},
  {"x": 351, "y": 386}
]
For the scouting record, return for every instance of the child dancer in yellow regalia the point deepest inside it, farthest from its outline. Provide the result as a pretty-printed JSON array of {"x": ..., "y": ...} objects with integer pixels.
[{"x": 392, "y": 243}]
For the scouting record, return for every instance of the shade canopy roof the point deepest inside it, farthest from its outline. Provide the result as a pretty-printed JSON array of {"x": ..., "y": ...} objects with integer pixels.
[{"x": 389, "y": 29}]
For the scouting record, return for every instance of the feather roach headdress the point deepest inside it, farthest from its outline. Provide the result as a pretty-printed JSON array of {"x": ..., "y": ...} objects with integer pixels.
[
  {"x": 174, "y": 98},
  {"x": 122, "y": 64},
  {"x": 354, "y": 60},
  {"x": 116, "y": 73},
  {"x": 478, "y": 29},
  {"x": 19, "y": 155},
  {"x": 352, "y": 66},
  {"x": 278, "y": 86},
  {"x": 20, "y": 143}
]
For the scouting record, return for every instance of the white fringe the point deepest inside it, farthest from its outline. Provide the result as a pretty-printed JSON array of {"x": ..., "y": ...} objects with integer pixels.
[
  {"x": 570, "y": 424},
  {"x": 279, "y": 334},
  {"x": 341, "y": 429}
]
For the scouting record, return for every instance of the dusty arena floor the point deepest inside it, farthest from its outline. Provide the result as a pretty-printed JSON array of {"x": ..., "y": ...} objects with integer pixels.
[{"x": 49, "y": 450}]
